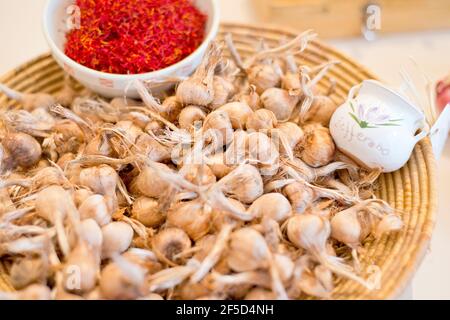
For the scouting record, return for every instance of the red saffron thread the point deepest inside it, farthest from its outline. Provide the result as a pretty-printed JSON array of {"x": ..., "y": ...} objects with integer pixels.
[{"x": 135, "y": 36}]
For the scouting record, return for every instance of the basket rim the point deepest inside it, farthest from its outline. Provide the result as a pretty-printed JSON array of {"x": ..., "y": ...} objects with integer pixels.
[{"x": 290, "y": 30}]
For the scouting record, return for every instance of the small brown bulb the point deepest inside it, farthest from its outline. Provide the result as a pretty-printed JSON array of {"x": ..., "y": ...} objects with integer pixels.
[
  {"x": 318, "y": 148},
  {"x": 95, "y": 207},
  {"x": 81, "y": 268},
  {"x": 189, "y": 116},
  {"x": 80, "y": 195},
  {"x": 218, "y": 123},
  {"x": 279, "y": 102},
  {"x": 238, "y": 112},
  {"x": 251, "y": 98},
  {"x": 28, "y": 271},
  {"x": 172, "y": 108},
  {"x": 263, "y": 77},
  {"x": 150, "y": 148},
  {"x": 292, "y": 132},
  {"x": 321, "y": 110},
  {"x": 23, "y": 148},
  {"x": 248, "y": 251},
  {"x": 223, "y": 90},
  {"x": 170, "y": 242},
  {"x": 261, "y": 119},
  {"x": 122, "y": 102},
  {"x": 147, "y": 211},
  {"x": 149, "y": 184},
  {"x": 192, "y": 216},
  {"x": 69, "y": 137},
  {"x": 193, "y": 291},
  {"x": 199, "y": 174},
  {"x": 300, "y": 196},
  {"x": 117, "y": 238},
  {"x": 122, "y": 280},
  {"x": 98, "y": 146}
]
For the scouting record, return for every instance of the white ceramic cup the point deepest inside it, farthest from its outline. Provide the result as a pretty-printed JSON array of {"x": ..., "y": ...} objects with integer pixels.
[
  {"x": 378, "y": 128},
  {"x": 56, "y": 17}
]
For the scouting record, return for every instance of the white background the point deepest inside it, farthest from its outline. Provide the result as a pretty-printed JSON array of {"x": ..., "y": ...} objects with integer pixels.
[{"x": 21, "y": 39}]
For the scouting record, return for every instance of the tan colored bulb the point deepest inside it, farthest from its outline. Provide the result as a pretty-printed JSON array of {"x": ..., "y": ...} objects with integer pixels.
[
  {"x": 311, "y": 232},
  {"x": 318, "y": 148},
  {"x": 346, "y": 227},
  {"x": 199, "y": 174},
  {"x": 193, "y": 291},
  {"x": 170, "y": 242},
  {"x": 189, "y": 116},
  {"x": 102, "y": 179},
  {"x": 244, "y": 183},
  {"x": 321, "y": 110},
  {"x": 90, "y": 232},
  {"x": 99, "y": 146},
  {"x": 122, "y": 280},
  {"x": 69, "y": 136},
  {"x": 272, "y": 206},
  {"x": 308, "y": 231},
  {"x": 238, "y": 112},
  {"x": 194, "y": 217},
  {"x": 261, "y": 120},
  {"x": 64, "y": 160},
  {"x": 261, "y": 149},
  {"x": 150, "y": 148},
  {"x": 95, "y": 207},
  {"x": 147, "y": 211},
  {"x": 80, "y": 195},
  {"x": 222, "y": 218},
  {"x": 248, "y": 251},
  {"x": 148, "y": 183},
  {"x": 138, "y": 118},
  {"x": 218, "y": 123},
  {"x": 129, "y": 130},
  {"x": 300, "y": 196},
  {"x": 199, "y": 88},
  {"x": 55, "y": 204},
  {"x": 32, "y": 292},
  {"x": 285, "y": 267},
  {"x": 172, "y": 108},
  {"x": 155, "y": 127},
  {"x": 251, "y": 98},
  {"x": 216, "y": 163},
  {"x": 23, "y": 148},
  {"x": 223, "y": 90},
  {"x": 28, "y": 271},
  {"x": 263, "y": 77},
  {"x": 117, "y": 238},
  {"x": 81, "y": 269},
  {"x": 293, "y": 133},
  {"x": 279, "y": 102},
  {"x": 123, "y": 102}
]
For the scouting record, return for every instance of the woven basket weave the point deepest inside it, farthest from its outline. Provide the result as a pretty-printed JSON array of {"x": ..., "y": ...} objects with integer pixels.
[{"x": 411, "y": 190}]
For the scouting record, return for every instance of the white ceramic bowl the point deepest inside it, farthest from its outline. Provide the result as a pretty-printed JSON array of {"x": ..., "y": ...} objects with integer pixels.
[{"x": 114, "y": 85}]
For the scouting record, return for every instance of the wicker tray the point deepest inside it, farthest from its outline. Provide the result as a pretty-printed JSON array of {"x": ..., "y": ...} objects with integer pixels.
[{"x": 411, "y": 190}]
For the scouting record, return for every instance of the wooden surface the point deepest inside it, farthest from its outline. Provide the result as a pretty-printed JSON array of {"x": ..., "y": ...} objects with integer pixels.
[{"x": 343, "y": 18}]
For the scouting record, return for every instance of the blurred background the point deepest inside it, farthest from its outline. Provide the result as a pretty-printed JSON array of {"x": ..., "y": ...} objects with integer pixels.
[{"x": 380, "y": 34}]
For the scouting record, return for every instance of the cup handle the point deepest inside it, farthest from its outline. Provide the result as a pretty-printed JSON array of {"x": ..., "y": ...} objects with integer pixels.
[
  {"x": 351, "y": 93},
  {"x": 422, "y": 134}
]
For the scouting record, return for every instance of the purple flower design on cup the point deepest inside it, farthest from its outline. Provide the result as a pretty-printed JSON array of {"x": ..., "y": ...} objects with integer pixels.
[{"x": 371, "y": 117}]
